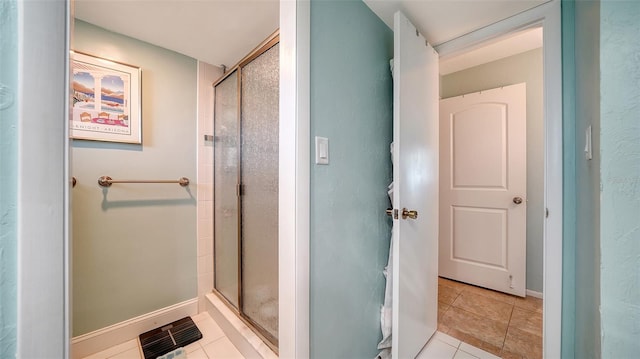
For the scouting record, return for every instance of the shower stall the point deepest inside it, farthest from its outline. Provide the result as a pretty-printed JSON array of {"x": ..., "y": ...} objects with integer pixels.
[{"x": 246, "y": 189}]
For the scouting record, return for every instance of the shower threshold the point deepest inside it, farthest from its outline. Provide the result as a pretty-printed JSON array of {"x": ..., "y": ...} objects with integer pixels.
[{"x": 250, "y": 344}]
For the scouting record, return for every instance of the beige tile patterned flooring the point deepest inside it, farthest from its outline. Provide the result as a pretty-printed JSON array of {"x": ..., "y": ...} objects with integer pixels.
[
  {"x": 213, "y": 345},
  {"x": 499, "y": 323}
]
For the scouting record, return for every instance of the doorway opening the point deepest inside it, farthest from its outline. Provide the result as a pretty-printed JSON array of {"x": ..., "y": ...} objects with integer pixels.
[
  {"x": 157, "y": 224},
  {"x": 490, "y": 243}
]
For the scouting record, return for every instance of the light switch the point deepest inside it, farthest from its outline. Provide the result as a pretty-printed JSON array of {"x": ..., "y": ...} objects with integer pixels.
[
  {"x": 588, "y": 154},
  {"x": 322, "y": 150}
]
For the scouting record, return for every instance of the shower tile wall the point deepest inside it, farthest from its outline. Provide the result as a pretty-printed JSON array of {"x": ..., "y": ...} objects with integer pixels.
[{"x": 207, "y": 74}]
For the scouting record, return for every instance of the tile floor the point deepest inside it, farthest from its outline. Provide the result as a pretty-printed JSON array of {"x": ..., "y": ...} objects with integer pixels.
[
  {"x": 213, "y": 345},
  {"x": 472, "y": 323},
  {"x": 498, "y": 323},
  {"x": 443, "y": 346}
]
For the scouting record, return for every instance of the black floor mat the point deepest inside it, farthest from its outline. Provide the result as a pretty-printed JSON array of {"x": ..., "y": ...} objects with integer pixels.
[{"x": 169, "y": 337}]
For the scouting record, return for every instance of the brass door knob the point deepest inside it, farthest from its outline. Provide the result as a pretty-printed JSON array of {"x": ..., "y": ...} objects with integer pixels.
[
  {"x": 411, "y": 214},
  {"x": 517, "y": 200}
]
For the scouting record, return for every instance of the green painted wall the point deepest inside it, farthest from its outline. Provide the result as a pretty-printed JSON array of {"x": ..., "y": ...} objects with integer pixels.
[
  {"x": 581, "y": 262},
  {"x": 620, "y": 176},
  {"x": 587, "y": 181},
  {"x": 569, "y": 178},
  {"x": 134, "y": 246},
  {"x": 525, "y": 67},
  {"x": 351, "y": 104},
  {"x": 602, "y": 197},
  {"x": 8, "y": 171}
]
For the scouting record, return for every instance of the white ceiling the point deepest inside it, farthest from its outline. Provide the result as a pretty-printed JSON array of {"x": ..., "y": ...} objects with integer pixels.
[
  {"x": 224, "y": 31},
  {"x": 214, "y": 31}
]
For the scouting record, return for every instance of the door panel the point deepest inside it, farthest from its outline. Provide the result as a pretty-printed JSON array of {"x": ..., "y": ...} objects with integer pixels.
[
  {"x": 225, "y": 201},
  {"x": 259, "y": 200},
  {"x": 415, "y": 258},
  {"x": 482, "y": 169},
  {"x": 470, "y": 223},
  {"x": 479, "y": 161}
]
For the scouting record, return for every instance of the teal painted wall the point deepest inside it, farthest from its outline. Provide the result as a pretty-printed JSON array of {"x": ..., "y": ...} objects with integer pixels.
[
  {"x": 8, "y": 171},
  {"x": 569, "y": 179},
  {"x": 620, "y": 177},
  {"x": 351, "y": 104},
  {"x": 134, "y": 246},
  {"x": 602, "y": 197},
  {"x": 587, "y": 182},
  {"x": 525, "y": 67}
]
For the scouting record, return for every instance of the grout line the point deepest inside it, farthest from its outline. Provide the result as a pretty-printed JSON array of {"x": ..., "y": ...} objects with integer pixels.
[{"x": 508, "y": 326}]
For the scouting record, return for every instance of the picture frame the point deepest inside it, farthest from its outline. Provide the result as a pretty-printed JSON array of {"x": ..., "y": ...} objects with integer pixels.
[{"x": 114, "y": 115}]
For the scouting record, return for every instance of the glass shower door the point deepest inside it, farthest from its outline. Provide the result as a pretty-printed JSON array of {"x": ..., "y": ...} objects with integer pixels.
[
  {"x": 226, "y": 171},
  {"x": 246, "y": 136},
  {"x": 8, "y": 179},
  {"x": 259, "y": 200}
]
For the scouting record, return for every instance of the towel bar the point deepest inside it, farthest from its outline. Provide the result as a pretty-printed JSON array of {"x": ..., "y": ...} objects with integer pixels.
[{"x": 106, "y": 181}]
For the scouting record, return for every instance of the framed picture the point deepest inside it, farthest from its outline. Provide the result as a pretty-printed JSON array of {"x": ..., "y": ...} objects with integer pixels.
[{"x": 106, "y": 100}]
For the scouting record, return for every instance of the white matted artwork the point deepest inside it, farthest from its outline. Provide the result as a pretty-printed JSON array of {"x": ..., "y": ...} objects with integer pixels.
[{"x": 106, "y": 100}]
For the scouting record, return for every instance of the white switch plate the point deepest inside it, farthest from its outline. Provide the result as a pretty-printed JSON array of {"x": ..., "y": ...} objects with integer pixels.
[
  {"x": 588, "y": 153},
  {"x": 322, "y": 150}
]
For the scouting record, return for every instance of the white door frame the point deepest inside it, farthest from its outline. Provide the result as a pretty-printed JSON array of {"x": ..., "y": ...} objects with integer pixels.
[
  {"x": 43, "y": 193},
  {"x": 43, "y": 317},
  {"x": 295, "y": 164},
  {"x": 547, "y": 15}
]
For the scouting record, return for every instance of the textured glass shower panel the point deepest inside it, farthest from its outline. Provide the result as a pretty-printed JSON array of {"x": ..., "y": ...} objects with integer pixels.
[
  {"x": 259, "y": 126},
  {"x": 9, "y": 97},
  {"x": 225, "y": 181}
]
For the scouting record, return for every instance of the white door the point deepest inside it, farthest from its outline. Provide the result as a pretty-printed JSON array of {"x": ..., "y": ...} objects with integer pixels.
[
  {"x": 415, "y": 176},
  {"x": 483, "y": 200}
]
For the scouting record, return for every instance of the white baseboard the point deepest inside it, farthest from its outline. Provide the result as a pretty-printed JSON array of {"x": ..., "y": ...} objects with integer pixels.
[
  {"x": 531, "y": 293},
  {"x": 101, "y": 339}
]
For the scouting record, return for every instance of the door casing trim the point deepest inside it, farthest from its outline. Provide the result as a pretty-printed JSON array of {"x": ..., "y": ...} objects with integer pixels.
[
  {"x": 294, "y": 179},
  {"x": 294, "y": 200},
  {"x": 548, "y": 16}
]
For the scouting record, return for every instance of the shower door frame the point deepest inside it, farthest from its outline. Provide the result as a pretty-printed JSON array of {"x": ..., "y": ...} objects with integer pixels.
[{"x": 263, "y": 47}]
